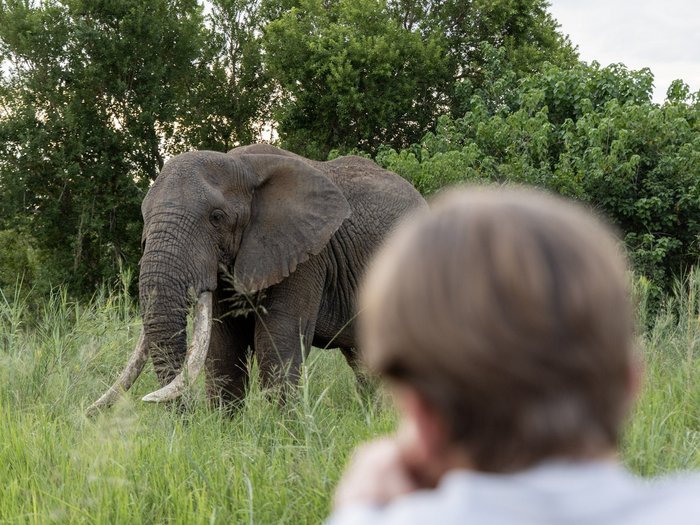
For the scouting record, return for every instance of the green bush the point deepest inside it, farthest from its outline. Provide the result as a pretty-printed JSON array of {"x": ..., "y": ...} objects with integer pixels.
[
  {"x": 21, "y": 270},
  {"x": 590, "y": 133}
]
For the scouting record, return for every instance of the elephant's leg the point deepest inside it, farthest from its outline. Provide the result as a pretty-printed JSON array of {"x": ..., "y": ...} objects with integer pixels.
[
  {"x": 227, "y": 360},
  {"x": 353, "y": 359},
  {"x": 286, "y": 331},
  {"x": 281, "y": 341}
]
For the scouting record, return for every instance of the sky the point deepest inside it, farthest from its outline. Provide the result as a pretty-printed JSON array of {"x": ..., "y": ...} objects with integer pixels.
[{"x": 663, "y": 35}]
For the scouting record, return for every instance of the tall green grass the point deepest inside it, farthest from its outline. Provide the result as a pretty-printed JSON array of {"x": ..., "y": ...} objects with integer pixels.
[
  {"x": 664, "y": 431},
  {"x": 139, "y": 463}
]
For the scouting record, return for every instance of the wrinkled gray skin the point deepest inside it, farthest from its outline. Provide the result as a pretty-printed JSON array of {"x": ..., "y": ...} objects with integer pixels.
[{"x": 295, "y": 235}]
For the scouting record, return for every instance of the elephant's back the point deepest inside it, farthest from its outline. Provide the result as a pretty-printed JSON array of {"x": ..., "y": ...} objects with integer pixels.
[
  {"x": 378, "y": 200},
  {"x": 371, "y": 189}
]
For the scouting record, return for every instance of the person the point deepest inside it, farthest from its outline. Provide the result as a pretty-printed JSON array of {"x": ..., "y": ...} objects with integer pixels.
[{"x": 501, "y": 322}]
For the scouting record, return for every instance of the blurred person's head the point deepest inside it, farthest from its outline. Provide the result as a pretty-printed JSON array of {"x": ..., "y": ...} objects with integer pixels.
[{"x": 502, "y": 320}]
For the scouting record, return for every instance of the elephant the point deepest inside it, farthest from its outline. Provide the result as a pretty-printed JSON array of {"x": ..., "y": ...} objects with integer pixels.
[{"x": 256, "y": 226}]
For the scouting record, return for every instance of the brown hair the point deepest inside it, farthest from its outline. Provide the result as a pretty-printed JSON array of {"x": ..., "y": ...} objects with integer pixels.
[{"x": 508, "y": 310}]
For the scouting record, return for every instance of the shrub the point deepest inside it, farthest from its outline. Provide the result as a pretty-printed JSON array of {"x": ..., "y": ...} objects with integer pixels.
[
  {"x": 21, "y": 269},
  {"x": 590, "y": 133}
]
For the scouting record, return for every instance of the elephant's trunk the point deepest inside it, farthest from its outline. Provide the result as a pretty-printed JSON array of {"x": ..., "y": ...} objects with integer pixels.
[
  {"x": 164, "y": 300},
  {"x": 167, "y": 284},
  {"x": 173, "y": 274}
]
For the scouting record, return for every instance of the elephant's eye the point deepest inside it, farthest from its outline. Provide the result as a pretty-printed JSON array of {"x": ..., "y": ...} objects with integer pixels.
[{"x": 217, "y": 217}]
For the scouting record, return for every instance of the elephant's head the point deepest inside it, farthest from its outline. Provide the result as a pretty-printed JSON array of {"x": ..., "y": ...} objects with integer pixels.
[{"x": 255, "y": 215}]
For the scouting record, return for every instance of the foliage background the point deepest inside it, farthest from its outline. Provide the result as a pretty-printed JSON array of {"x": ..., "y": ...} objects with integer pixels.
[
  {"x": 95, "y": 96},
  {"x": 586, "y": 132}
]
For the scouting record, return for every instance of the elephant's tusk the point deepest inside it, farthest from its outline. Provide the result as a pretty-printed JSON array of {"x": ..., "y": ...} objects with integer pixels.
[
  {"x": 130, "y": 373},
  {"x": 196, "y": 354}
]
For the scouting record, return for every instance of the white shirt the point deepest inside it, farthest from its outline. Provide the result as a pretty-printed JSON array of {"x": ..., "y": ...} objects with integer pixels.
[{"x": 600, "y": 493}]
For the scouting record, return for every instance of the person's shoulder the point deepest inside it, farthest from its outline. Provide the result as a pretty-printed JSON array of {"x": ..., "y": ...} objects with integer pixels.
[
  {"x": 684, "y": 486},
  {"x": 424, "y": 506},
  {"x": 670, "y": 499}
]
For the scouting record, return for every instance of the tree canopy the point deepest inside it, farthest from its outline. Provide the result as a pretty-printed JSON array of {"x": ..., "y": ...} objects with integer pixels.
[
  {"x": 95, "y": 95},
  {"x": 88, "y": 119},
  {"x": 590, "y": 133},
  {"x": 354, "y": 75}
]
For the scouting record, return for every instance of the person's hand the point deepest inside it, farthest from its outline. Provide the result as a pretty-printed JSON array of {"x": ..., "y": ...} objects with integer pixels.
[{"x": 376, "y": 474}]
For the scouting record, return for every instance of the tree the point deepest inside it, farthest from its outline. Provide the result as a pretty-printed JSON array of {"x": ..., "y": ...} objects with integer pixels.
[
  {"x": 523, "y": 28},
  {"x": 228, "y": 102},
  {"x": 90, "y": 104},
  {"x": 352, "y": 77},
  {"x": 357, "y": 74},
  {"x": 522, "y": 31}
]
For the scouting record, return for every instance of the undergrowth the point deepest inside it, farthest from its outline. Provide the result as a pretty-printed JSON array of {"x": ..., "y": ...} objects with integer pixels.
[{"x": 139, "y": 463}]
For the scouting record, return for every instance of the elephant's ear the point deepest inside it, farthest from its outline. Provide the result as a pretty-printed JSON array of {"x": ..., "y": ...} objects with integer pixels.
[{"x": 294, "y": 212}]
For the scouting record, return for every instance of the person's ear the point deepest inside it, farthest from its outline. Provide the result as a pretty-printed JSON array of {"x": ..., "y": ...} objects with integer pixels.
[{"x": 423, "y": 435}]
